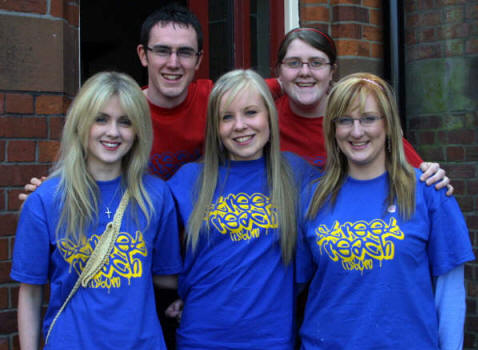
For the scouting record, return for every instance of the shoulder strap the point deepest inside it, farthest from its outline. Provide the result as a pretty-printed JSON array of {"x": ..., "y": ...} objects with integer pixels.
[{"x": 98, "y": 256}]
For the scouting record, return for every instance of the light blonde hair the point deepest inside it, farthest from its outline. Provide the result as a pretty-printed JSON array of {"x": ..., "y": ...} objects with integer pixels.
[
  {"x": 279, "y": 178},
  {"x": 357, "y": 87},
  {"x": 77, "y": 187}
]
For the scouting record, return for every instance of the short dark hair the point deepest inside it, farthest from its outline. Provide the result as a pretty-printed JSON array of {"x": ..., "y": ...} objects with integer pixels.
[
  {"x": 172, "y": 13},
  {"x": 312, "y": 36}
]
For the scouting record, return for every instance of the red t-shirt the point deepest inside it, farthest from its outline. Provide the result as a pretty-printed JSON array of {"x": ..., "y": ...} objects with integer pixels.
[
  {"x": 304, "y": 136},
  {"x": 179, "y": 131}
]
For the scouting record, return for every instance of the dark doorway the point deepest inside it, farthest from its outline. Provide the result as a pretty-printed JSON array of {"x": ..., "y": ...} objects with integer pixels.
[{"x": 109, "y": 31}]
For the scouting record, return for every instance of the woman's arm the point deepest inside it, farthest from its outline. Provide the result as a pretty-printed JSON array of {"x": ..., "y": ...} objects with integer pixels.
[
  {"x": 29, "y": 306},
  {"x": 450, "y": 304}
]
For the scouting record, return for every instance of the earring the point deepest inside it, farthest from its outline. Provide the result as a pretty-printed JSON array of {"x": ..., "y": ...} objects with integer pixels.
[
  {"x": 329, "y": 87},
  {"x": 389, "y": 146}
]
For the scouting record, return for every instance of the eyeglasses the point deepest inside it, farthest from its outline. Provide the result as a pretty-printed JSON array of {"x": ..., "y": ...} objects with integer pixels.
[
  {"x": 313, "y": 63},
  {"x": 183, "y": 53},
  {"x": 347, "y": 122}
]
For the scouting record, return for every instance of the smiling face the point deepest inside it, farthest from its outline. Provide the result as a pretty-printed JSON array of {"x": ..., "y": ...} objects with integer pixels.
[
  {"x": 244, "y": 125},
  {"x": 110, "y": 138},
  {"x": 363, "y": 146},
  {"x": 306, "y": 88},
  {"x": 170, "y": 76}
]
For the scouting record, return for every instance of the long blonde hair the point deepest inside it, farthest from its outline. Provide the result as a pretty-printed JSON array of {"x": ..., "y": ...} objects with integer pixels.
[
  {"x": 356, "y": 87},
  {"x": 77, "y": 188},
  {"x": 279, "y": 176}
]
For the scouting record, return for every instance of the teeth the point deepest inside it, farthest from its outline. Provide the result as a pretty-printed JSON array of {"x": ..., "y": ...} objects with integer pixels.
[
  {"x": 108, "y": 144},
  {"x": 171, "y": 77},
  {"x": 305, "y": 84},
  {"x": 243, "y": 138},
  {"x": 358, "y": 143}
]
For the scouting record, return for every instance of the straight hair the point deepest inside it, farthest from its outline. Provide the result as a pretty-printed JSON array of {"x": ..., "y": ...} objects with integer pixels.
[
  {"x": 78, "y": 191},
  {"x": 279, "y": 177},
  {"x": 401, "y": 176}
]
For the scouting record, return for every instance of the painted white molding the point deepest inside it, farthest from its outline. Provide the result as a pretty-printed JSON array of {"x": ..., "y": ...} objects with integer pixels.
[{"x": 291, "y": 14}]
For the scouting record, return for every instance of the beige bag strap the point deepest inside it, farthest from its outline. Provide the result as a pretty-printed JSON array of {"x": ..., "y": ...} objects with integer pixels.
[{"x": 98, "y": 257}]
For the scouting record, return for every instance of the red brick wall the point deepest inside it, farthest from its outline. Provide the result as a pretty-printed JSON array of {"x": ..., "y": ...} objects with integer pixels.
[
  {"x": 442, "y": 109},
  {"x": 38, "y": 75},
  {"x": 355, "y": 25},
  {"x": 442, "y": 69}
]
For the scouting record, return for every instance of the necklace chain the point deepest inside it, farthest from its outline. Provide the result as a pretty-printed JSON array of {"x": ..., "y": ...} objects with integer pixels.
[{"x": 108, "y": 212}]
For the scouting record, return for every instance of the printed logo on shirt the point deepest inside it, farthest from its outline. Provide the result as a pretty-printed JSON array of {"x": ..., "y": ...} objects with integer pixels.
[
  {"x": 123, "y": 264},
  {"x": 357, "y": 245},
  {"x": 242, "y": 215},
  {"x": 166, "y": 164}
]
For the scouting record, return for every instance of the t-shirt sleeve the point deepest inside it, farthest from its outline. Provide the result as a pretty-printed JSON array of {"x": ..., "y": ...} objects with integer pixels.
[
  {"x": 31, "y": 254},
  {"x": 412, "y": 156},
  {"x": 167, "y": 258},
  {"x": 449, "y": 243},
  {"x": 275, "y": 88}
]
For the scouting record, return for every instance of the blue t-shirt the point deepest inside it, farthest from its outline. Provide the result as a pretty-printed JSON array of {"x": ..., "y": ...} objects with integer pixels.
[
  {"x": 117, "y": 309},
  {"x": 371, "y": 272},
  {"x": 237, "y": 292}
]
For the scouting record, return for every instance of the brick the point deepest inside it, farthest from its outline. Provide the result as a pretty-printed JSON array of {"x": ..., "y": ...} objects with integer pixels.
[
  {"x": 454, "y": 154},
  {"x": 454, "y": 47},
  {"x": 72, "y": 14},
  {"x": 8, "y": 322},
  {"x": 433, "y": 153},
  {"x": 471, "y": 154},
  {"x": 471, "y": 11},
  {"x": 2, "y": 103},
  {"x": 19, "y": 103},
  {"x": 23, "y": 127},
  {"x": 347, "y": 31},
  {"x": 461, "y": 137},
  {"x": 426, "y": 35},
  {"x": 55, "y": 127},
  {"x": 412, "y": 20},
  {"x": 2, "y": 199},
  {"x": 316, "y": 13},
  {"x": 410, "y": 37},
  {"x": 454, "y": 14},
  {"x": 426, "y": 4},
  {"x": 471, "y": 46},
  {"x": 2, "y": 150},
  {"x": 462, "y": 171},
  {"x": 459, "y": 187},
  {"x": 4, "y": 298},
  {"x": 466, "y": 204},
  {"x": 426, "y": 137},
  {"x": 353, "y": 48},
  {"x": 453, "y": 31},
  {"x": 313, "y": 2},
  {"x": 30, "y": 6},
  {"x": 19, "y": 175},
  {"x": 411, "y": 5},
  {"x": 9, "y": 224},
  {"x": 4, "y": 343},
  {"x": 376, "y": 17},
  {"x": 57, "y": 8},
  {"x": 13, "y": 203},
  {"x": 372, "y": 3},
  {"x": 48, "y": 150},
  {"x": 430, "y": 19},
  {"x": 450, "y": 2},
  {"x": 372, "y": 33},
  {"x": 345, "y": 2},
  {"x": 4, "y": 251},
  {"x": 21, "y": 151},
  {"x": 350, "y": 13},
  {"x": 429, "y": 122},
  {"x": 377, "y": 50},
  {"x": 472, "y": 187},
  {"x": 50, "y": 104},
  {"x": 5, "y": 267}
]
